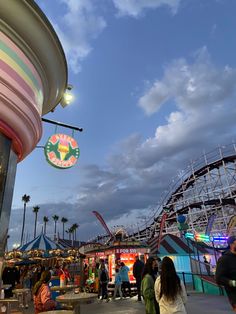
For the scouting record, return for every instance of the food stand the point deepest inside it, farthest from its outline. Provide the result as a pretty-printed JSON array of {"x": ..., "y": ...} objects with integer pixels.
[{"x": 113, "y": 255}]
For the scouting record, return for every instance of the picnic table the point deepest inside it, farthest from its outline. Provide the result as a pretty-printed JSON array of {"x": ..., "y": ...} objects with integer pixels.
[
  {"x": 8, "y": 303},
  {"x": 76, "y": 299}
]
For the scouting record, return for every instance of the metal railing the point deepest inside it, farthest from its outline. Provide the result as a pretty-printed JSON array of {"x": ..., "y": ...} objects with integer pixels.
[{"x": 190, "y": 284}]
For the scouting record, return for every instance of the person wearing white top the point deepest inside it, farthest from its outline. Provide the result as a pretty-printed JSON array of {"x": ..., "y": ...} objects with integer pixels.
[{"x": 170, "y": 292}]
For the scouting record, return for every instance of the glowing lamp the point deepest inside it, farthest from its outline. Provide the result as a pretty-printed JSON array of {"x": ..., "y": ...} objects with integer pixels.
[
  {"x": 67, "y": 96},
  {"x": 189, "y": 235},
  {"x": 202, "y": 237}
]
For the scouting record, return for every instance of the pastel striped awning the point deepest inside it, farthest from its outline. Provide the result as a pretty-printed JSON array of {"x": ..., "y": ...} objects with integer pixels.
[
  {"x": 41, "y": 242},
  {"x": 173, "y": 245}
]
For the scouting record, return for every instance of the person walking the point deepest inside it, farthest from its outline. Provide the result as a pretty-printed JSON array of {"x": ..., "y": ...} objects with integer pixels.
[
  {"x": 147, "y": 287},
  {"x": 103, "y": 279},
  {"x": 137, "y": 272},
  {"x": 118, "y": 283},
  {"x": 124, "y": 274},
  {"x": 226, "y": 271},
  {"x": 169, "y": 290}
]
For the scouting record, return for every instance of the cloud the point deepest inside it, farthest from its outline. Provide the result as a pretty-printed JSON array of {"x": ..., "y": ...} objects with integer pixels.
[
  {"x": 135, "y": 8},
  {"x": 138, "y": 172},
  {"x": 193, "y": 87},
  {"x": 77, "y": 28}
]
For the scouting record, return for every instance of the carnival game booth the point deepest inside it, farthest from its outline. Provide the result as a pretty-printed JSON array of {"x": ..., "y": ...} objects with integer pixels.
[{"x": 113, "y": 255}]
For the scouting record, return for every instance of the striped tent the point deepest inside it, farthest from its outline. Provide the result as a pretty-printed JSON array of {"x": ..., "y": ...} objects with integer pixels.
[
  {"x": 173, "y": 245},
  {"x": 40, "y": 243}
]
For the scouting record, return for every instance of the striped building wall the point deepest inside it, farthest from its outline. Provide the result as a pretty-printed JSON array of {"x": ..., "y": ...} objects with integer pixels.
[{"x": 17, "y": 69}]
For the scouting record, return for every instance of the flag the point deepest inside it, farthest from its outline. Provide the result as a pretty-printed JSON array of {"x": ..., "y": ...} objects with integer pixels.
[{"x": 154, "y": 243}]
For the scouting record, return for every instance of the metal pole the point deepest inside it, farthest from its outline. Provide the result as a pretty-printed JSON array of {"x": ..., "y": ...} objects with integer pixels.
[{"x": 63, "y": 124}]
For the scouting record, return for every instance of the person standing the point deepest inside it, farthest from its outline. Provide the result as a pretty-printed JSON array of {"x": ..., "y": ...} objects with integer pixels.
[
  {"x": 207, "y": 264},
  {"x": 159, "y": 264},
  {"x": 137, "y": 272},
  {"x": 147, "y": 286},
  {"x": 169, "y": 290},
  {"x": 226, "y": 271},
  {"x": 118, "y": 283},
  {"x": 124, "y": 274},
  {"x": 11, "y": 276},
  {"x": 104, "y": 278}
]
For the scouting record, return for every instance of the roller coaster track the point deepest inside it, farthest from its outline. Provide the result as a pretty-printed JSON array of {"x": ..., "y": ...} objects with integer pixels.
[{"x": 207, "y": 186}]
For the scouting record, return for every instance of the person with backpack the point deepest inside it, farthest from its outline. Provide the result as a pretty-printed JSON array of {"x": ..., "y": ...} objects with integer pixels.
[
  {"x": 104, "y": 279},
  {"x": 42, "y": 295}
]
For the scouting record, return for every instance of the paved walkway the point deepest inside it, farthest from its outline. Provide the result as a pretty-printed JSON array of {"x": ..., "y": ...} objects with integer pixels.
[{"x": 197, "y": 304}]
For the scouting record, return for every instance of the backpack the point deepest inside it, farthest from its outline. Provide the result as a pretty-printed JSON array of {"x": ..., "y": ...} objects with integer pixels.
[{"x": 103, "y": 276}]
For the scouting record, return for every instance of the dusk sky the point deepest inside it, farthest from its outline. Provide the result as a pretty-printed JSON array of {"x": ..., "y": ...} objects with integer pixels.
[{"x": 155, "y": 85}]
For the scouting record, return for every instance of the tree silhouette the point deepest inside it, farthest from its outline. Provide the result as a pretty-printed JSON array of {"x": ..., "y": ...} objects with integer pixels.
[
  {"x": 55, "y": 218},
  {"x": 45, "y": 220},
  {"x": 35, "y": 210},
  {"x": 25, "y": 199},
  {"x": 64, "y": 221}
]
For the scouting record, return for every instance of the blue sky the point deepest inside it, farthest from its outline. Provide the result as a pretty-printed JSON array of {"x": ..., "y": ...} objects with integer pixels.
[{"x": 154, "y": 85}]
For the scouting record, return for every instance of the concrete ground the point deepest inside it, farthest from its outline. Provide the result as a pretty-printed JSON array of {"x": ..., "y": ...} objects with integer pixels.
[{"x": 197, "y": 304}]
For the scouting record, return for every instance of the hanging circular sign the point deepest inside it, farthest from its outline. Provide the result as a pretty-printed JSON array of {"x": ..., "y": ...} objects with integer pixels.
[{"x": 61, "y": 151}]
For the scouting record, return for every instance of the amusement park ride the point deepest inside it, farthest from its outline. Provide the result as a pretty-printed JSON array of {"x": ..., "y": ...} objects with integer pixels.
[{"x": 200, "y": 203}]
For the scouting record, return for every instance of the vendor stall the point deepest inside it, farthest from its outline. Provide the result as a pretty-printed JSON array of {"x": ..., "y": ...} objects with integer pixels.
[{"x": 113, "y": 255}]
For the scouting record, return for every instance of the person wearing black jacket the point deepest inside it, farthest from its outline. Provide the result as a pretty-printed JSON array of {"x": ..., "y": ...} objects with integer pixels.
[
  {"x": 137, "y": 272},
  {"x": 10, "y": 275},
  {"x": 226, "y": 271}
]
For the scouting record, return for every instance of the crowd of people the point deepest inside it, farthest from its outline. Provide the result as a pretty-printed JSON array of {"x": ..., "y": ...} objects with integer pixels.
[
  {"x": 157, "y": 282},
  {"x": 35, "y": 278}
]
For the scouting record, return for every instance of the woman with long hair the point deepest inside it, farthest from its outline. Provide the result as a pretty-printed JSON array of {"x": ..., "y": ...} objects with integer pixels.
[
  {"x": 42, "y": 295},
  {"x": 169, "y": 290},
  {"x": 147, "y": 287}
]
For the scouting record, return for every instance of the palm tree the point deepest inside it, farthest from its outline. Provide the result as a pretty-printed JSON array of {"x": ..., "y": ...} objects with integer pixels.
[
  {"x": 45, "y": 220},
  {"x": 35, "y": 210},
  {"x": 25, "y": 199},
  {"x": 55, "y": 218},
  {"x": 64, "y": 221},
  {"x": 74, "y": 228},
  {"x": 69, "y": 232}
]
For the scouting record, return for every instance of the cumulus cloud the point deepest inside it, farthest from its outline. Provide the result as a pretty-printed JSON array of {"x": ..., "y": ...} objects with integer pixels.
[
  {"x": 136, "y": 7},
  {"x": 139, "y": 171},
  {"x": 77, "y": 28},
  {"x": 191, "y": 86}
]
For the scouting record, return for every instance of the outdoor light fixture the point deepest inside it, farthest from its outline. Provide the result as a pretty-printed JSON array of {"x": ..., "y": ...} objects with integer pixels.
[
  {"x": 202, "y": 237},
  {"x": 219, "y": 239},
  {"x": 67, "y": 97},
  {"x": 189, "y": 235}
]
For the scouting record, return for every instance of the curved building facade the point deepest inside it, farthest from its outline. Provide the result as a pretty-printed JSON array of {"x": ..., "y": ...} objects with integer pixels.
[{"x": 33, "y": 78}]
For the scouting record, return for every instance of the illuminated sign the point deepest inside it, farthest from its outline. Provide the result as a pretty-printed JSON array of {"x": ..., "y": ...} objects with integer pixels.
[{"x": 61, "y": 151}]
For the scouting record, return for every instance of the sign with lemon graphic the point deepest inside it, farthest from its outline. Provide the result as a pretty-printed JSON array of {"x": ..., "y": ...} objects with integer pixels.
[{"x": 61, "y": 151}]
